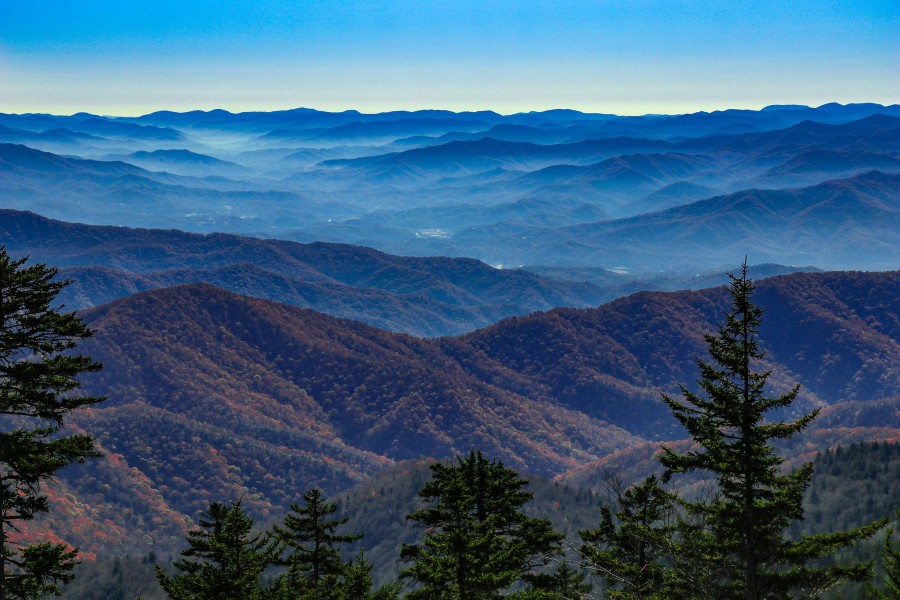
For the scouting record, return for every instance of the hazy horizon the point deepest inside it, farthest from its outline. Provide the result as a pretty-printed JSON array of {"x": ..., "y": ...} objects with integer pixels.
[
  {"x": 431, "y": 108},
  {"x": 627, "y": 58}
]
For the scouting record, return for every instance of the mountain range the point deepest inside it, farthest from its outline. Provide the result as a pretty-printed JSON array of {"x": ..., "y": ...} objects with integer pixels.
[
  {"x": 215, "y": 395},
  {"x": 302, "y": 298},
  {"x": 427, "y": 296},
  {"x": 840, "y": 223},
  {"x": 555, "y": 188}
]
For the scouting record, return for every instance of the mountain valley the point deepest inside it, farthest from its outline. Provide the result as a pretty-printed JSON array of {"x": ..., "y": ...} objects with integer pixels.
[
  {"x": 218, "y": 395},
  {"x": 296, "y": 299},
  {"x": 557, "y": 188}
]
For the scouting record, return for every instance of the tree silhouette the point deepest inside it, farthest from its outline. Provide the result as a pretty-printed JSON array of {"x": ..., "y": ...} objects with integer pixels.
[
  {"x": 742, "y": 548},
  {"x": 38, "y": 379},
  {"x": 311, "y": 537},
  {"x": 633, "y": 548},
  {"x": 890, "y": 562},
  {"x": 478, "y": 541},
  {"x": 222, "y": 561}
]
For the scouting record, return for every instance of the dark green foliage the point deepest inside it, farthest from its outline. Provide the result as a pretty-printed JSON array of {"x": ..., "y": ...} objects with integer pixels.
[
  {"x": 38, "y": 378},
  {"x": 43, "y": 568},
  {"x": 350, "y": 581},
  {"x": 311, "y": 541},
  {"x": 315, "y": 570},
  {"x": 565, "y": 583},
  {"x": 478, "y": 542},
  {"x": 222, "y": 561},
  {"x": 853, "y": 485},
  {"x": 889, "y": 588},
  {"x": 380, "y": 504},
  {"x": 740, "y": 548},
  {"x": 356, "y": 583},
  {"x": 633, "y": 549}
]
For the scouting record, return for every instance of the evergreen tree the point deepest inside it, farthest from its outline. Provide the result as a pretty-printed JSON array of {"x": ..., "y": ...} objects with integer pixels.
[
  {"x": 356, "y": 582},
  {"x": 315, "y": 569},
  {"x": 742, "y": 548},
  {"x": 222, "y": 561},
  {"x": 310, "y": 536},
  {"x": 42, "y": 568},
  {"x": 478, "y": 542},
  {"x": 633, "y": 549},
  {"x": 38, "y": 380},
  {"x": 565, "y": 583},
  {"x": 890, "y": 562}
]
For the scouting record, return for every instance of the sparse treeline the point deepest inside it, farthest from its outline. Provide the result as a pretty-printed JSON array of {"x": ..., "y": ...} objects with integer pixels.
[
  {"x": 476, "y": 543},
  {"x": 224, "y": 560},
  {"x": 733, "y": 542}
]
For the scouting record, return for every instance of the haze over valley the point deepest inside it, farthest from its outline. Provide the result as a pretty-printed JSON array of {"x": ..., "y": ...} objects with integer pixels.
[
  {"x": 207, "y": 248},
  {"x": 787, "y": 184},
  {"x": 379, "y": 300}
]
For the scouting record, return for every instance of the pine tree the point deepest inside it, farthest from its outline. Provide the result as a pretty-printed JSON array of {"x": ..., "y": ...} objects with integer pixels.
[
  {"x": 478, "y": 542},
  {"x": 742, "y": 548},
  {"x": 633, "y": 549},
  {"x": 38, "y": 379},
  {"x": 222, "y": 561},
  {"x": 356, "y": 582},
  {"x": 309, "y": 534},
  {"x": 890, "y": 563},
  {"x": 565, "y": 583}
]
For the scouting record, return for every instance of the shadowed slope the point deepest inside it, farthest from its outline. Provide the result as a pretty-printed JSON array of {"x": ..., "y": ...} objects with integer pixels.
[{"x": 425, "y": 296}]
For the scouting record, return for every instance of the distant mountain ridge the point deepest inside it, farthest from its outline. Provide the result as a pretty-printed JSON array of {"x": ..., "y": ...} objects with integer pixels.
[
  {"x": 103, "y": 191},
  {"x": 839, "y": 222},
  {"x": 545, "y": 187},
  {"x": 676, "y": 123},
  {"x": 428, "y": 296}
]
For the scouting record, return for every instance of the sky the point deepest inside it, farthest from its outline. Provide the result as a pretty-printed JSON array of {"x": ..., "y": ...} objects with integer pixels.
[{"x": 132, "y": 57}]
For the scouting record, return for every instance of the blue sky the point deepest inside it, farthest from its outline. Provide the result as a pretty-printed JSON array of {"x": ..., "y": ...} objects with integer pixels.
[{"x": 627, "y": 57}]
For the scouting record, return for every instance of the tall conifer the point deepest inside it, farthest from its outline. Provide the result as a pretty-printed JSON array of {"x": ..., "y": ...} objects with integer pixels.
[
  {"x": 222, "y": 561},
  {"x": 477, "y": 542},
  {"x": 743, "y": 549},
  {"x": 38, "y": 382},
  {"x": 311, "y": 538},
  {"x": 633, "y": 548}
]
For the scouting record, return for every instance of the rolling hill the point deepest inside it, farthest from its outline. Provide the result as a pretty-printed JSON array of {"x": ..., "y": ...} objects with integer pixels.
[
  {"x": 835, "y": 224},
  {"x": 214, "y": 395},
  {"x": 180, "y": 161},
  {"x": 425, "y": 296},
  {"x": 535, "y": 188},
  {"x": 113, "y": 191}
]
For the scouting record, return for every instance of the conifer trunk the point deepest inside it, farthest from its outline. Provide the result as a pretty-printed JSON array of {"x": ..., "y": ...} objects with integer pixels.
[{"x": 747, "y": 435}]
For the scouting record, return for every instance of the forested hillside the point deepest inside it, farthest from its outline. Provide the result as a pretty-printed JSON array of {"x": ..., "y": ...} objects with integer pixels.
[
  {"x": 424, "y": 296},
  {"x": 378, "y": 507},
  {"x": 215, "y": 395},
  {"x": 439, "y": 301}
]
